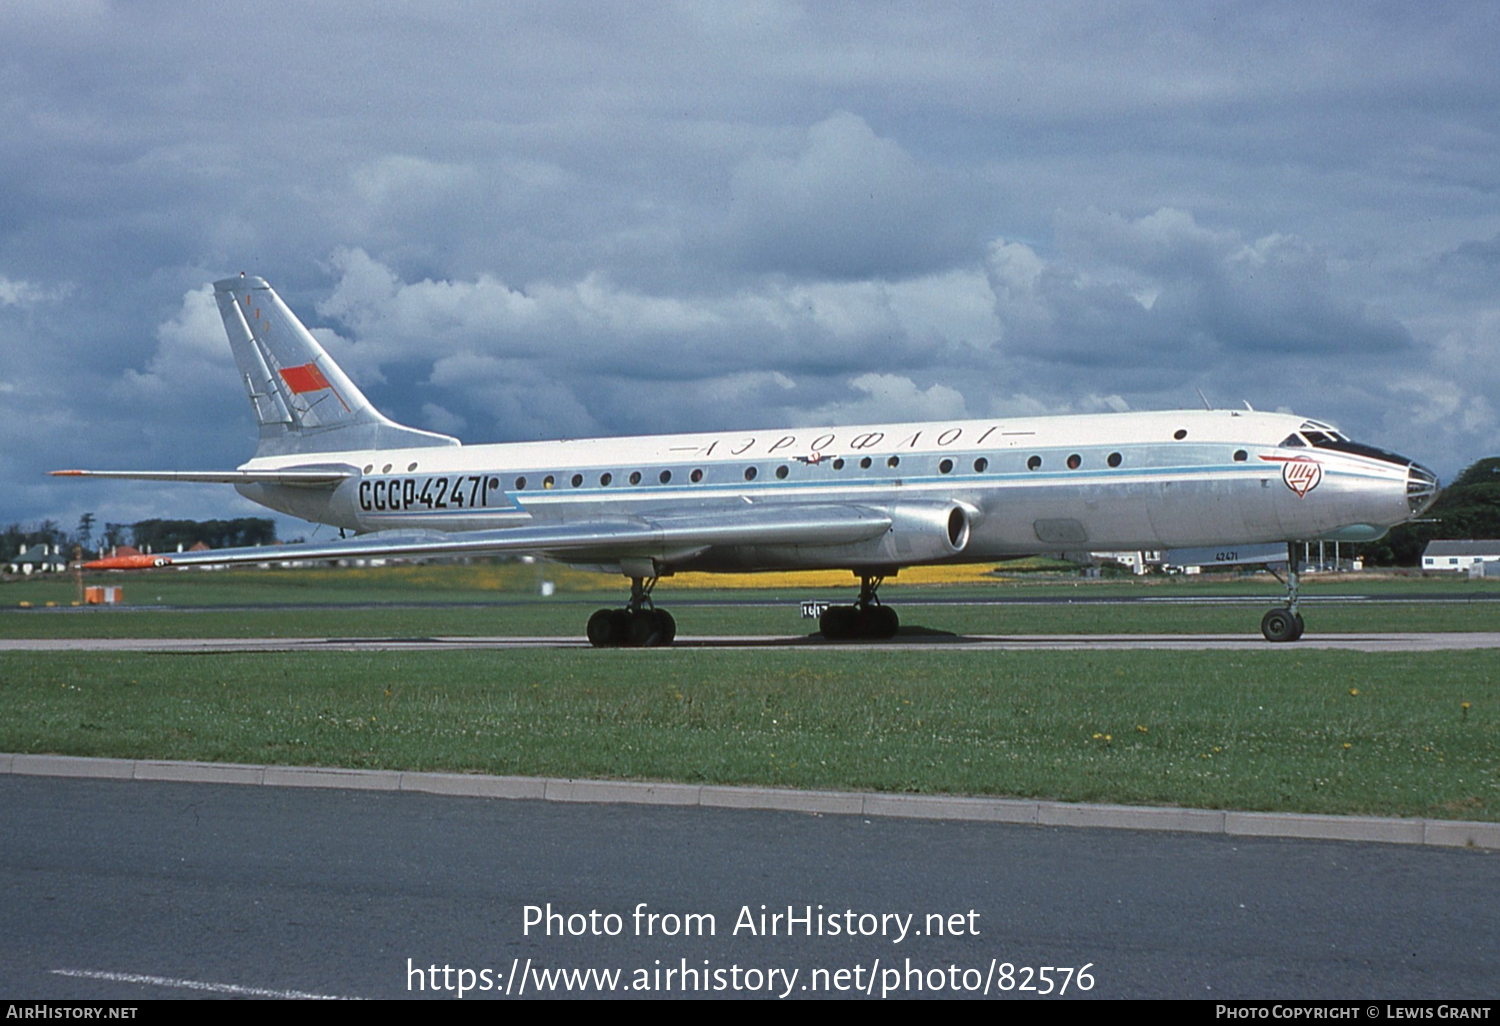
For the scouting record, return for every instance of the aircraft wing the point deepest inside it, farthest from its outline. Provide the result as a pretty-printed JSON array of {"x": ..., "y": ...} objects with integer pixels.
[
  {"x": 312, "y": 477},
  {"x": 605, "y": 539}
]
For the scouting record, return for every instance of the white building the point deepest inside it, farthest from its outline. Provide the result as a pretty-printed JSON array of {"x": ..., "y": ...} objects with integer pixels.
[
  {"x": 1462, "y": 556},
  {"x": 39, "y": 559},
  {"x": 1138, "y": 562}
]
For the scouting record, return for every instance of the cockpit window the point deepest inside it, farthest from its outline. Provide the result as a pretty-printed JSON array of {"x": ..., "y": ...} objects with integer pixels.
[
  {"x": 1324, "y": 436},
  {"x": 1321, "y": 436},
  {"x": 1341, "y": 444},
  {"x": 1318, "y": 439}
]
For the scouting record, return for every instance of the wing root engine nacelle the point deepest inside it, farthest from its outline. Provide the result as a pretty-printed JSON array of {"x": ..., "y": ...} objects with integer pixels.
[{"x": 920, "y": 532}]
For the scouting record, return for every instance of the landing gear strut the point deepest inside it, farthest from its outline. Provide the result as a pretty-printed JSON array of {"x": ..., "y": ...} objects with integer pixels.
[
  {"x": 1285, "y": 624},
  {"x": 867, "y": 618},
  {"x": 639, "y": 625}
]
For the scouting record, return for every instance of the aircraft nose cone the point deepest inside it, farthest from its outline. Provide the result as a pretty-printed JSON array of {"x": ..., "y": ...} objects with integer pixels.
[{"x": 1421, "y": 488}]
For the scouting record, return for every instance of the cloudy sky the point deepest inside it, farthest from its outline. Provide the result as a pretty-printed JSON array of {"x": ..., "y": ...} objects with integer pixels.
[{"x": 519, "y": 221}]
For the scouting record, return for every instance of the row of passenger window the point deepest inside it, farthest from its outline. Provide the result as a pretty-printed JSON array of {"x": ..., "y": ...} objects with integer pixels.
[{"x": 945, "y": 466}]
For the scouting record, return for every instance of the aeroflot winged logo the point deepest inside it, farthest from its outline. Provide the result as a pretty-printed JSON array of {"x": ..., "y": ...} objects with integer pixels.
[{"x": 1301, "y": 475}]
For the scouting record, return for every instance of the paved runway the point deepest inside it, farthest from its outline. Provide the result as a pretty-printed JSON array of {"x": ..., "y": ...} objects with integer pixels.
[
  {"x": 1083, "y": 595},
  {"x": 1433, "y": 642},
  {"x": 128, "y": 889}
]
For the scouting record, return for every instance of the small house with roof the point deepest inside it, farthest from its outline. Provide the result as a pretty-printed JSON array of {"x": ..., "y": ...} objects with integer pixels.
[
  {"x": 1463, "y": 556},
  {"x": 41, "y": 558}
]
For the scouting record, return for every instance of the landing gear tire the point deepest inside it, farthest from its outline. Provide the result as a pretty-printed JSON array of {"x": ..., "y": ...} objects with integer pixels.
[
  {"x": 867, "y": 618},
  {"x": 619, "y": 627},
  {"x": 601, "y": 628},
  {"x": 847, "y": 623},
  {"x": 839, "y": 623},
  {"x": 881, "y": 622},
  {"x": 638, "y": 625},
  {"x": 650, "y": 628},
  {"x": 666, "y": 627},
  {"x": 1281, "y": 625}
]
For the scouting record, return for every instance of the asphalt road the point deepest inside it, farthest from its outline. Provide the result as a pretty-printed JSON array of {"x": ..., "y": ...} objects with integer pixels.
[{"x": 331, "y": 892}]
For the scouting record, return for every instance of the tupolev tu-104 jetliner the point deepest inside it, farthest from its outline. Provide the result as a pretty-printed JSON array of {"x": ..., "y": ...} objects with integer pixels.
[{"x": 871, "y": 499}]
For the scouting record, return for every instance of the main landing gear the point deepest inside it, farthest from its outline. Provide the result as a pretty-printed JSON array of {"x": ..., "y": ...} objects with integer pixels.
[
  {"x": 1285, "y": 624},
  {"x": 867, "y": 618},
  {"x": 639, "y": 625}
]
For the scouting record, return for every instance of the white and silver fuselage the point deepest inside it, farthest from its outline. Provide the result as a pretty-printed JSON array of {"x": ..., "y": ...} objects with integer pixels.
[{"x": 958, "y": 491}]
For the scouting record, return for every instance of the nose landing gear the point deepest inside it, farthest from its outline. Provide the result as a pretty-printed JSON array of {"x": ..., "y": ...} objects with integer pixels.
[
  {"x": 639, "y": 625},
  {"x": 1285, "y": 624}
]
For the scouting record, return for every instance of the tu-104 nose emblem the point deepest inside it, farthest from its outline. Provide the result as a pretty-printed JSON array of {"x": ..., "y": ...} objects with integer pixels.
[{"x": 1301, "y": 475}]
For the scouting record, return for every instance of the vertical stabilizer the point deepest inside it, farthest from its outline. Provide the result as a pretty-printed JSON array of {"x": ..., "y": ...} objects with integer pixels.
[{"x": 303, "y": 401}]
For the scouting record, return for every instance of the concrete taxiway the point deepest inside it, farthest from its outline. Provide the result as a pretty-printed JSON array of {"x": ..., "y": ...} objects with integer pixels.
[{"x": 1409, "y": 642}]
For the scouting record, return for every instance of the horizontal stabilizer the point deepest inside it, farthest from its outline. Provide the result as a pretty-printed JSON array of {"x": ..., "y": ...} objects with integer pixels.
[
  {"x": 613, "y": 538},
  {"x": 312, "y": 477}
]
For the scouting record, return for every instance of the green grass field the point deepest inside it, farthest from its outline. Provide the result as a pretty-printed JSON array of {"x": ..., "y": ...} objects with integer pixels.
[
  {"x": 1311, "y": 731},
  {"x": 1281, "y": 729}
]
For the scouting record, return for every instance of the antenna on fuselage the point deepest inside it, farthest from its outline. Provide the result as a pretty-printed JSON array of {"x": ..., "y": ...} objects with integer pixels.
[
  {"x": 1206, "y": 406},
  {"x": 1247, "y": 405}
]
